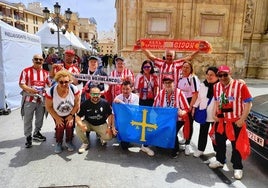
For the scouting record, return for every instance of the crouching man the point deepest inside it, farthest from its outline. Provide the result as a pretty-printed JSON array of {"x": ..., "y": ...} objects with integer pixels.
[{"x": 95, "y": 115}]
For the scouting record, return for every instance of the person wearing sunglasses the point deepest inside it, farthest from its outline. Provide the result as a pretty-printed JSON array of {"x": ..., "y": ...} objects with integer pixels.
[
  {"x": 146, "y": 84},
  {"x": 97, "y": 116},
  {"x": 33, "y": 81},
  {"x": 168, "y": 65},
  {"x": 62, "y": 103},
  {"x": 233, "y": 102}
]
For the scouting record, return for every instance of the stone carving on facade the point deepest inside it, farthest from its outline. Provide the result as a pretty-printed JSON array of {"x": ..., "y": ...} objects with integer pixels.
[{"x": 249, "y": 16}]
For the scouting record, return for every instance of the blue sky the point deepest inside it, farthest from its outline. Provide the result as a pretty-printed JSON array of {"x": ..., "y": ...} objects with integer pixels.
[{"x": 102, "y": 10}]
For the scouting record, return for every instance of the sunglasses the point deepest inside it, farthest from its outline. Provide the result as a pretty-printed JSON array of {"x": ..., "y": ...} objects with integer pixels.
[
  {"x": 222, "y": 75},
  {"x": 38, "y": 59},
  {"x": 94, "y": 94},
  {"x": 147, "y": 67},
  {"x": 64, "y": 82}
]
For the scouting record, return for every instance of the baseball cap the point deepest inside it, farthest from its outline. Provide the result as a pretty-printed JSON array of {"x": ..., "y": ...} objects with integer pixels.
[
  {"x": 93, "y": 58},
  {"x": 119, "y": 58},
  {"x": 168, "y": 78},
  {"x": 70, "y": 52},
  {"x": 224, "y": 68}
]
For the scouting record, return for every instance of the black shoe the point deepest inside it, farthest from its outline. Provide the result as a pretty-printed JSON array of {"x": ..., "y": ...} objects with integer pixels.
[
  {"x": 39, "y": 137},
  {"x": 28, "y": 143},
  {"x": 174, "y": 154},
  {"x": 124, "y": 145}
]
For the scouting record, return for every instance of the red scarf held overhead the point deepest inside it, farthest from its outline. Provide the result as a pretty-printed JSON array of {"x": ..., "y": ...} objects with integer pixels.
[{"x": 177, "y": 45}]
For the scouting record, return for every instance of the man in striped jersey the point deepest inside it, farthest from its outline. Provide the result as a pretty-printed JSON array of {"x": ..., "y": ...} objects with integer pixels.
[
  {"x": 122, "y": 72},
  {"x": 168, "y": 65},
  {"x": 68, "y": 64},
  {"x": 233, "y": 102},
  {"x": 171, "y": 97},
  {"x": 33, "y": 81}
]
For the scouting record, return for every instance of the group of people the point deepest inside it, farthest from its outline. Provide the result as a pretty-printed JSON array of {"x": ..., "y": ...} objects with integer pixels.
[{"x": 227, "y": 102}]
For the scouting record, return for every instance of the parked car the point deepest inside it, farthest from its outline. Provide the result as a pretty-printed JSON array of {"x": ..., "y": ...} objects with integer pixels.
[{"x": 257, "y": 126}]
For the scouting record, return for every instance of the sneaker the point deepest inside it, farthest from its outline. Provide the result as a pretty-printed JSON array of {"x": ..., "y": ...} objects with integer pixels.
[
  {"x": 238, "y": 174},
  {"x": 39, "y": 137},
  {"x": 174, "y": 154},
  {"x": 198, "y": 153},
  {"x": 103, "y": 142},
  {"x": 187, "y": 150},
  {"x": 215, "y": 164},
  {"x": 70, "y": 146},
  {"x": 147, "y": 150},
  {"x": 182, "y": 142},
  {"x": 28, "y": 143},
  {"x": 83, "y": 148},
  {"x": 58, "y": 148}
]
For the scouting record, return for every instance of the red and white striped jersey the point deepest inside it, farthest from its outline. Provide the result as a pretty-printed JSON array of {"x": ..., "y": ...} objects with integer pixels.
[
  {"x": 72, "y": 69},
  {"x": 177, "y": 101},
  {"x": 116, "y": 89},
  {"x": 236, "y": 93},
  {"x": 36, "y": 79},
  {"x": 146, "y": 87},
  {"x": 173, "y": 69}
]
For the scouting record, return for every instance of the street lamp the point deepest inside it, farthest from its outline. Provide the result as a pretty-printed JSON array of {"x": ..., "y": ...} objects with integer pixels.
[
  {"x": 58, "y": 21},
  {"x": 94, "y": 44}
]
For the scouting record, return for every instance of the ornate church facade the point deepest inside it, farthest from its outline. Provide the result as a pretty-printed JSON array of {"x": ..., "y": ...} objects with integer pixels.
[{"x": 236, "y": 29}]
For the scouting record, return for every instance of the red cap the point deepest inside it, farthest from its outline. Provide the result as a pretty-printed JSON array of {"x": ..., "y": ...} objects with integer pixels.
[
  {"x": 168, "y": 77},
  {"x": 71, "y": 52},
  {"x": 224, "y": 68}
]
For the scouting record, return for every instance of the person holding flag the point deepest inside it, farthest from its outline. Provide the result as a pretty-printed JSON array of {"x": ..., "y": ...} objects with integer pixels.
[{"x": 172, "y": 97}]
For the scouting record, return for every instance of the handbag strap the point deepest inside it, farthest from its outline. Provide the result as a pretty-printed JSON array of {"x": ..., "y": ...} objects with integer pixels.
[{"x": 209, "y": 100}]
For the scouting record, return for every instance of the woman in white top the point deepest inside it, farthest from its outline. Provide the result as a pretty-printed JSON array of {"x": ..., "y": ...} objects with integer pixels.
[
  {"x": 189, "y": 85},
  {"x": 62, "y": 102},
  {"x": 205, "y": 100}
]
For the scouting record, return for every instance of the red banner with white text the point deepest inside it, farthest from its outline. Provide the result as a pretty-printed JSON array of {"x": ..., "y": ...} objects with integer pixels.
[{"x": 177, "y": 45}]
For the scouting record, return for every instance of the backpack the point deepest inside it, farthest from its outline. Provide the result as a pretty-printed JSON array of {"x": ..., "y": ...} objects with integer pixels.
[{"x": 52, "y": 89}]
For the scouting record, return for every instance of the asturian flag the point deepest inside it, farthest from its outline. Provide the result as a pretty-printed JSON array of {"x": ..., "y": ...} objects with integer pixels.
[{"x": 153, "y": 126}]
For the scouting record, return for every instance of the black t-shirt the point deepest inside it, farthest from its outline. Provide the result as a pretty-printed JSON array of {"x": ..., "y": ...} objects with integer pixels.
[{"x": 95, "y": 114}]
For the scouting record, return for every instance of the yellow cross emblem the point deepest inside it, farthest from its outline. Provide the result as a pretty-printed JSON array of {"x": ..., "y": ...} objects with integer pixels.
[{"x": 143, "y": 125}]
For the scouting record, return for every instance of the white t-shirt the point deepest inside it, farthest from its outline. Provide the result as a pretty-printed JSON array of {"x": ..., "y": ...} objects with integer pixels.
[
  {"x": 132, "y": 99},
  {"x": 63, "y": 106}
]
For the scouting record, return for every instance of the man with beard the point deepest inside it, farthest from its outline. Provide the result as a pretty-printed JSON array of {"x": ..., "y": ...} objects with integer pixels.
[{"x": 98, "y": 117}]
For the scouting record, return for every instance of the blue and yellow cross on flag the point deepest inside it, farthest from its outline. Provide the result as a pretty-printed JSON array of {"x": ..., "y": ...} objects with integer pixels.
[{"x": 146, "y": 125}]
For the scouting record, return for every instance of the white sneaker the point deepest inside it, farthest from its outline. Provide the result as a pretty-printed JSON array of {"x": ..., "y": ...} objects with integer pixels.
[
  {"x": 198, "y": 153},
  {"x": 187, "y": 150},
  {"x": 238, "y": 174},
  {"x": 215, "y": 164},
  {"x": 83, "y": 148},
  {"x": 182, "y": 142},
  {"x": 147, "y": 150}
]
